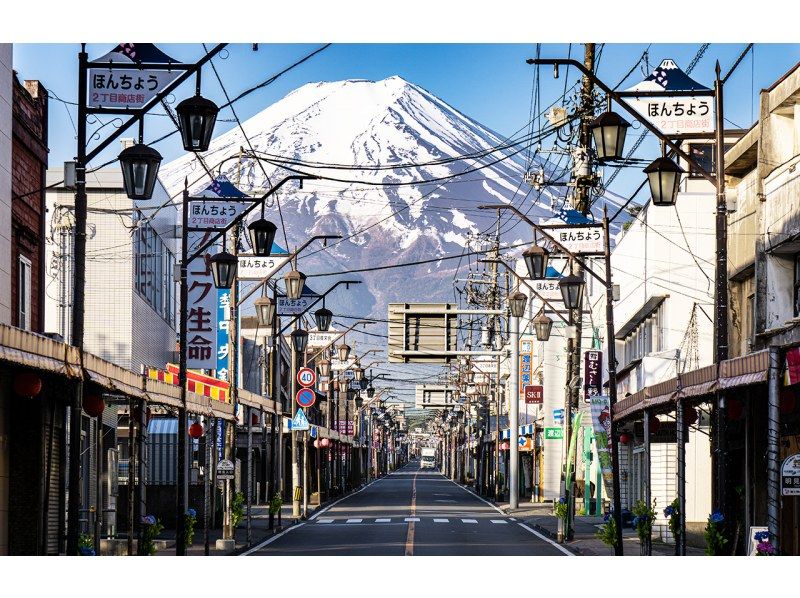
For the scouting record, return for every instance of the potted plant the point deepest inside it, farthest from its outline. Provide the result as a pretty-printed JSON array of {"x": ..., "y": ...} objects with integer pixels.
[
  {"x": 151, "y": 527},
  {"x": 607, "y": 533},
  {"x": 644, "y": 516},
  {"x": 274, "y": 508},
  {"x": 715, "y": 538},
  {"x": 764, "y": 546},
  {"x": 237, "y": 509},
  {"x": 189, "y": 521},
  {"x": 673, "y": 515},
  {"x": 86, "y": 545}
]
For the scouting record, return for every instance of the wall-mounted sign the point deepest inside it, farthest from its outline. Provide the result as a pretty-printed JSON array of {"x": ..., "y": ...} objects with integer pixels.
[
  {"x": 295, "y": 307},
  {"x": 592, "y": 378},
  {"x": 790, "y": 476},
  {"x": 553, "y": 433},
  {"x": 534, "y": 395},
  {"x": 255, "y": 267}
]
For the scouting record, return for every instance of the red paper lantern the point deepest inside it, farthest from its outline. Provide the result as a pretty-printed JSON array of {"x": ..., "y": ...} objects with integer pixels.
[
  {"x": 735, "y": 410},
  {"x": 690, "y": 417},
  {"x": 624, "y": 438},
  {"x": 27, "y": 384},
  {"x": 196, "y": 430},
  {"x": 655, "y": 424},
  {"x": 325, "y": 443},
  {"x": 93, "y": 405},
  {"x": 788, "y": 403}
]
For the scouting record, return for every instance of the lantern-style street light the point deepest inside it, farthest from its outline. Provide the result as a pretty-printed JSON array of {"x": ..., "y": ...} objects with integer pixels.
[
  {"x": 139, "y": 164},
  {"x": 542, "y": 325},
  {"x": 359, "y": 374},
  {"x": 517, "y": 302},
  {"x": 265, "y": 310},
  {"x": 609, "y": 131},
  {"x": 196, "y": 118},
  {"x": 223, "y": 269},
  {"x": 323, "y": 318},
  {"x": 324, "y": 367},
  {"x": 295, "y": 281},
  {"x": 299, "y": 340},
  {"x": 571, "y": 290},
  {"x": 536, "y": 259},
  {"x": 344, "y": 352},
  {"x": 262, "y": 235},
  {"x": 664, "y": 177}
]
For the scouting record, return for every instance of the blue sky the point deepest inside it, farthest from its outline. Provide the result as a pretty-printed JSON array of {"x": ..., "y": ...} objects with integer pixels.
[{"x": 488, "y": 82}]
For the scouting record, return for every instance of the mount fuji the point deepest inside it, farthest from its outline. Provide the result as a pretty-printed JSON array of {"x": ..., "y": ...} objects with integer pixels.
[{"x": 368, "y": 140}]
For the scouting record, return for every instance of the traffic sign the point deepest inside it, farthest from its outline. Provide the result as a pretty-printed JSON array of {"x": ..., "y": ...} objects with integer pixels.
[
  {"x": 553, "y": 433},
  {"x": 305, "y": 397},
  {"x": 300, "y": 421},
  {"x": 558, "y": 416},
  {"x": 306, "y": 377},
  {"x": 534, "y": 395},
  {"x": 225, "y": 470}
]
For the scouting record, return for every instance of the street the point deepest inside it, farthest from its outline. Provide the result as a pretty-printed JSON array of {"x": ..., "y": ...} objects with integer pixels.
[{"x": 411, "y": 512}]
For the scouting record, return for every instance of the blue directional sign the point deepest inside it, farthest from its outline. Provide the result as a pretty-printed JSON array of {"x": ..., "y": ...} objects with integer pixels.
[
  {"x": 300, "y": 421},
  {"x": 558, "y": 415}
]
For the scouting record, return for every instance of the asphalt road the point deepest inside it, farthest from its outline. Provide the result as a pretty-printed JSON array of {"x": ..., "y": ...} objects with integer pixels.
[{"x": 411, "y": 512}]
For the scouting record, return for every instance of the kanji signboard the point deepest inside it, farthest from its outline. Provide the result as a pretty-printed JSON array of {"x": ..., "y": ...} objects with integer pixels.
[
  {"x": 295, "y": 307},
  {"x": 129, "y": 88},
  {"x": 525, "y": 366},
  {"x": 211, "y": 213},
  {"x": 790, "y": 476},
  {"x": 593, "y": 380},
  {"x": 202, "y": 308},
  {"x": 223, "y": 320}
]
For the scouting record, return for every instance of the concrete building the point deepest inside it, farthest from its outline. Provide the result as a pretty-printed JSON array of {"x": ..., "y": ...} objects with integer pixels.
[
  {"x": 131, "y": 250},
  {"x": 764, "y": 278}
]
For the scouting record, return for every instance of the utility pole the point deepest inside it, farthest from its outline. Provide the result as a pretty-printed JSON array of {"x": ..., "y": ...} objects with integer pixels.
[{"x": 584, "y": 182}]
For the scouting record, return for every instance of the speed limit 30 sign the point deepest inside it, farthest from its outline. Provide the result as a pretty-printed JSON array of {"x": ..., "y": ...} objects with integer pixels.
[{"x": 306, "y": 377}]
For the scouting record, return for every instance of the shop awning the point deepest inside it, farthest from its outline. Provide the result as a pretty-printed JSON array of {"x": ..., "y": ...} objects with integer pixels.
[
  {"x": 698, "y": 382},
  {"x": 745, "y": 370}
]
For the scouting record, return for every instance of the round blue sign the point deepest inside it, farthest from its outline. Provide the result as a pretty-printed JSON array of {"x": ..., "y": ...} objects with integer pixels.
[{"x": 305, "y": 397}]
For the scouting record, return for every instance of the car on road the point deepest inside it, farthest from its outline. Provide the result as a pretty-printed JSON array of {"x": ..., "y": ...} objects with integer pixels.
[{"x": 428, "y": 458}]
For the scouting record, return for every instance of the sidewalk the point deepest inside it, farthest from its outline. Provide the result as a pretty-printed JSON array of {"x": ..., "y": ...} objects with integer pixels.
[
  {"x": 540, "y": 517},
  {"x": 259, "y": 531}
]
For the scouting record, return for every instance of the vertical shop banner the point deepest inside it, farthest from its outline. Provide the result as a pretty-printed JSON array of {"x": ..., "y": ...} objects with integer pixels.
[
  {"x": 223, "y": 334},
  {"x": 525, "y": 366},
  {"x": 593, "y": 380},
  {"x": 601, "y": 424},
  {"x": 202, "y": 307}
]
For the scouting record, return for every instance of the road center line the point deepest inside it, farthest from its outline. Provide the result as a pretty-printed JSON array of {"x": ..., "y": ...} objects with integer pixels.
[{"x": 410, "y": 534}]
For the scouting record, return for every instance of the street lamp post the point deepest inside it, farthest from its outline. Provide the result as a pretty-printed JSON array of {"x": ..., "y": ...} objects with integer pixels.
[
  {"x": 572, "y": 291},
  {"x": 662, "y": 190},
  {"x": 82, "y": 159}
]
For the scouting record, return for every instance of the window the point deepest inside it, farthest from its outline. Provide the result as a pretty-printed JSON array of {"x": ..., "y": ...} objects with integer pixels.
[
  {"x": 704, "y": 155},
  {"x": 24, "y": 293},
  {"x": 153, "y": 276}
]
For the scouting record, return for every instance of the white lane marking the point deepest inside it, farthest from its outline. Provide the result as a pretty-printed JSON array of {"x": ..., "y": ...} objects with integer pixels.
[
  {"x": 411, "y": 519},
  {"x": 355, "y": 520},
  {"x": 499, "y": 521},
  {"x": 513, "y": 518},
  {"x": 546, "y": 539},
  {"x": 272, "y": 539},
  {"x": 441, "y": 521},
  {"x": 333, "y": 504},
  {"x": 324, "y": 520},
  {"x": 469, "y": 521},
  {"x": 476, "y": 496},
  {"x": 383, "y": 520},
  {"x": 444, "y": 500}
]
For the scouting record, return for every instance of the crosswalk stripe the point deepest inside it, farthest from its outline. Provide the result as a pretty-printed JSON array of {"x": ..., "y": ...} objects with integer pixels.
[
  {"x": 383, "y": 521},
  {"x": 412, "y": 519},
  {"x": 441, "y": 521},
  {"x": 324, "y": 520},
  {"x": 354, "y": 520},
  {"x": 499, "y": 521},
  {"x": 469, "y": 521}
]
